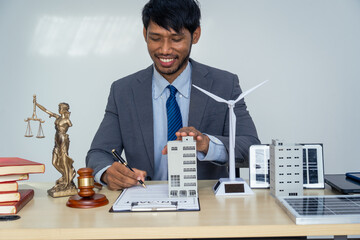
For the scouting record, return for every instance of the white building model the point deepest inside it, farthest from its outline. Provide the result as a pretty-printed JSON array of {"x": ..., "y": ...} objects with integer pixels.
[
  {"x": 286, "y": 169},
  {"x": 182, "y": 168}
]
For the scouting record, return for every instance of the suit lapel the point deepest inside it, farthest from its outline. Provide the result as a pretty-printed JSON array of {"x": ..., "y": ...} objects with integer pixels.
[
  {"x": 198, "y": 100},
  {"x": 142, "y": 90}
]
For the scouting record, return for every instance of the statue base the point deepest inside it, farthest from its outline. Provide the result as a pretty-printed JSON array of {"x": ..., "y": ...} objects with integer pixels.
[{"x": 61, "y": 191}]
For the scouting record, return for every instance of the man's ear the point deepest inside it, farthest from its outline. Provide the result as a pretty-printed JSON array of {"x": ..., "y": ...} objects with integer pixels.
[
  {"x": 145, "y": 33},
  {"x": 196, "y": 35}
]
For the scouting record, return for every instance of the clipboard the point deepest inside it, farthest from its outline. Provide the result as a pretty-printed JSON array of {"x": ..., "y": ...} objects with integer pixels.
[{"x": 154, "y": 198}]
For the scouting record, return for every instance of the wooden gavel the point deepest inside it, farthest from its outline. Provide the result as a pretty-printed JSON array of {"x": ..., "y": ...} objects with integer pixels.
[{"x": 87, "y": 198}]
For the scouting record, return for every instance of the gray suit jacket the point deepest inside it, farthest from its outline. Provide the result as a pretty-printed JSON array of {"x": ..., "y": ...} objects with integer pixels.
[{"x": 128, "y": 121}]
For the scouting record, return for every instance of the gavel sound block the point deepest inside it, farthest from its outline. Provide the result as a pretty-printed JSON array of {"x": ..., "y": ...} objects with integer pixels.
[{"x": 86, "y": 198}]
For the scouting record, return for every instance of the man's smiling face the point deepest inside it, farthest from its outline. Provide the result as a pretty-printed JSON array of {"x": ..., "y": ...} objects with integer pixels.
[{"x": 169, "y": 50}]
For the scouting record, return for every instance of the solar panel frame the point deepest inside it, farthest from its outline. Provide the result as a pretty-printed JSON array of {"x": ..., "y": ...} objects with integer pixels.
[{"x": 329, "y": 209}]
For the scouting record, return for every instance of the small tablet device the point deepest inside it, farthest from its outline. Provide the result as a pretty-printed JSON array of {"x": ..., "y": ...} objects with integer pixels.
[
  {"x": 259, "y": 166},
  {"x": 342, "y": 184},
  {"x": 354, "y": 176}
]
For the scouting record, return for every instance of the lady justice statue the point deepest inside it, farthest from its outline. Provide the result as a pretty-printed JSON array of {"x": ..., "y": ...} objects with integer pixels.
[{"x": 60, "y": 157}]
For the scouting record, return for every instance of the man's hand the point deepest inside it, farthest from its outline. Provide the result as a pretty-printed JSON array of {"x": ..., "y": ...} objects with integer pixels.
[
  {"x": 202, "y": 141},
  {"x": 118, "y": 176}
]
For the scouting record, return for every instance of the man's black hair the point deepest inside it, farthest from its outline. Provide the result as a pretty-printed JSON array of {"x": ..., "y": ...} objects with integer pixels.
[{"x": 172, "y": 14}]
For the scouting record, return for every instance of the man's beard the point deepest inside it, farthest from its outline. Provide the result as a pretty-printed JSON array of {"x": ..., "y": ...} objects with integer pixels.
[{"x": 186, "y": 59}]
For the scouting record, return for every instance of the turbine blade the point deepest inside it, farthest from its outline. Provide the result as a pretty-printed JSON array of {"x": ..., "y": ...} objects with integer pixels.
[
  {"x": 242, "y": 95},
  {"x": 216, "y": 98}
]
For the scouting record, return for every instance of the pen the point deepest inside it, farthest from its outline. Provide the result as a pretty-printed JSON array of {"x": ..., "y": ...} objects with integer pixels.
[{"x": 124, "y": 162}]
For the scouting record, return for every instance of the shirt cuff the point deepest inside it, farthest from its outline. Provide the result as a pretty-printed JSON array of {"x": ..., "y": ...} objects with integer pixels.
[
  {"x": 216, "y": 153},
  {"x": 98, "y": 175}
]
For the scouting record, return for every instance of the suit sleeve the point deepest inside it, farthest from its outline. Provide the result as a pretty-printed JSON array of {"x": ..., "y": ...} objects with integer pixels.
[
  {"x": 106, "y": 138},
  {"x": 246, "y": 134}
]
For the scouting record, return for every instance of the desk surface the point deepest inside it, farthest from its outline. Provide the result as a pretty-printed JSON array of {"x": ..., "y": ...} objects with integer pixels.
[{"x": 257, "y": 215}]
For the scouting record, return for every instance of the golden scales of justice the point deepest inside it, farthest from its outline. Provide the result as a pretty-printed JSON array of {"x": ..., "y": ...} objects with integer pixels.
[{"x": 28, "y": 132}]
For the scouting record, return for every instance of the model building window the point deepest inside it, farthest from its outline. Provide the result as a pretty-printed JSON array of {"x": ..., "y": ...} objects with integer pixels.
[
  {"x": 188, "y": 148},
  {"x": 189, "y": 169},
  {"x": 189, "y": 155},
  {"x": 190, "y": 184},
  {"x": 189, "y": 176},
  {"x": 182, "y": 193},
  {"x": 175, "y": 180},
  {"x": 189, "y": 162},
  {"x": 192, "y": 193},
  {"x": 174, "y": 193}
]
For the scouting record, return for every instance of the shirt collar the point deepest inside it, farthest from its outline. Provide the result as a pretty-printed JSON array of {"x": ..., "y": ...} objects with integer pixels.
[{"x": 182, "y": 82}]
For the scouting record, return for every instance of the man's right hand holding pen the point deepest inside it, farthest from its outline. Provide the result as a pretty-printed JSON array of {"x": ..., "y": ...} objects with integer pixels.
[{"x": 118, "y": 176}]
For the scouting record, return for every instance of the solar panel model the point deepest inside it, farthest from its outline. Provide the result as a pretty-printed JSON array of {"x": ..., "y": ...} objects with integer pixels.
[{"x": 330, "y": 209}]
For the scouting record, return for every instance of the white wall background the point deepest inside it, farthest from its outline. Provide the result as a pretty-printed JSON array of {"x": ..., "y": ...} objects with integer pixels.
[{"x": 71, "y": 51}]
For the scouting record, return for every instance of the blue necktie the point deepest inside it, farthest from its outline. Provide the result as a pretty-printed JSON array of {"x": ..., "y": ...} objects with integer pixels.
[{"x": 173, "y": 114}]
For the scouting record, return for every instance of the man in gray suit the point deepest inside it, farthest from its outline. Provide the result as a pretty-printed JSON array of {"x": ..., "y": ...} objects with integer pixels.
[{"x": 136, "y": 119}]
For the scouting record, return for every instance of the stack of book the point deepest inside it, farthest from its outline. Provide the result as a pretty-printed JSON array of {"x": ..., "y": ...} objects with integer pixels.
[{"x": 12, "y": 170}]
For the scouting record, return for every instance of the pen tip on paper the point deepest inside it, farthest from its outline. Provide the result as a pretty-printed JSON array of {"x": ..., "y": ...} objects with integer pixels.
[{"x": 143, "y": 185}]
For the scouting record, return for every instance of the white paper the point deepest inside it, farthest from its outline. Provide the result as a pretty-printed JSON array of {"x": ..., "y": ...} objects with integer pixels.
[{"x": 153, "y": 198}]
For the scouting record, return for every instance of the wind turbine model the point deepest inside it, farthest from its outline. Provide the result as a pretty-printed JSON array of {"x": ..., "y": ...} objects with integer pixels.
[{"x": 231, "y": 185}]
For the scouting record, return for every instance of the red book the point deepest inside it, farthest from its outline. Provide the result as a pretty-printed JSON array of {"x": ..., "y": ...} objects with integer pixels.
[
  {"x": 8, "y": 186},
  {"x": 15, "y": 177},
  {"x": 15, "y": 207},
  {"x": 15, "y": 165},
  {"x": 9, "y": 196}
]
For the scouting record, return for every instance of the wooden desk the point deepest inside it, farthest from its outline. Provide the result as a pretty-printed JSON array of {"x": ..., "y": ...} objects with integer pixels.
[{"x": 220, "y": 217}]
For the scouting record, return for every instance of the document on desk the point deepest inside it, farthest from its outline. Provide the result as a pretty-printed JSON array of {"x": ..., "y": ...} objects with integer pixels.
[{"x": 153, "y": 198}]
